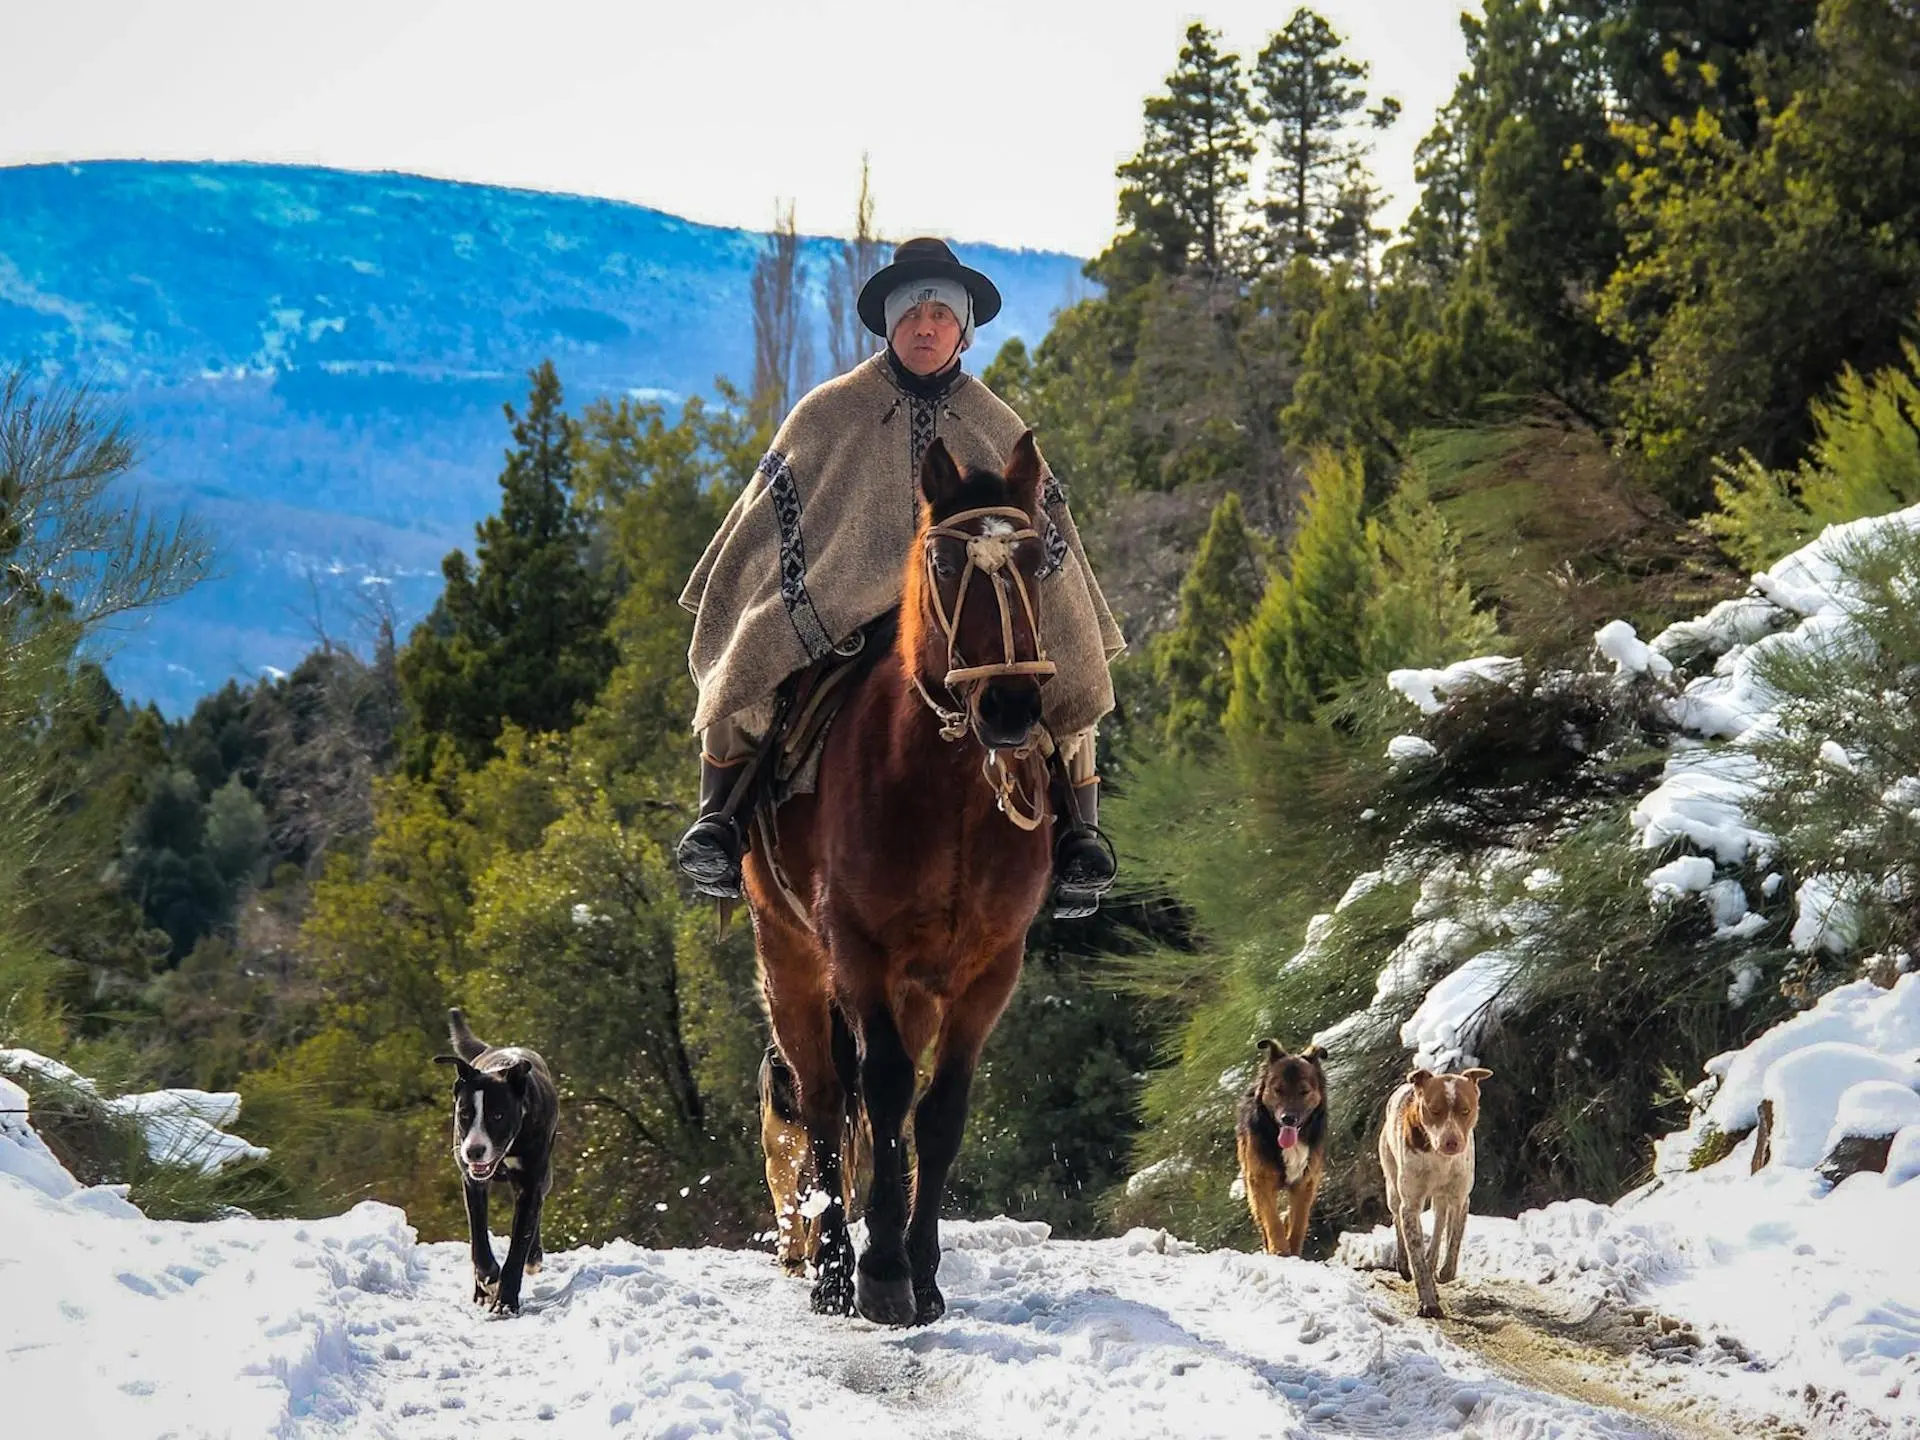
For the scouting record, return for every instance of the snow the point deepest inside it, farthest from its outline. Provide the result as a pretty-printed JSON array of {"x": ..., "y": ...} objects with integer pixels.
[
  {"x": 1805, "y": 1090},
  {"x": 1801, "y": 1278},
  {"x": 1701, "y": 799},
  {"x": 1903, "y": 1159},
  {"x": 1629, "y": 653},
  {"x": 181, "y": 1127},
  {"x": 1688, "y": 875},
  {"x": 1827, "y": 916},
  {"x": 1875, "y": 1109},
  {"x": 1410, "y": 749},
  {"x": 1862, "y": 1015},
  {"x": 350, "y": 1327},
  {"x": 1443, "y": 1031},
  {"x": 1430, "y": 689},
  {"x": 1729, "y": 624}
]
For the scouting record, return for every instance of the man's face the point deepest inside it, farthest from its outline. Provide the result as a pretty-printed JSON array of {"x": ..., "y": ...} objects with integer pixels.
[{"x": 927, "y": 339}]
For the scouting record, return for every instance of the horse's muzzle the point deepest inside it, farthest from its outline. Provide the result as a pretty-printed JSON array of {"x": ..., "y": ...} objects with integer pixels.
[{"x": 1008, "y": 713}]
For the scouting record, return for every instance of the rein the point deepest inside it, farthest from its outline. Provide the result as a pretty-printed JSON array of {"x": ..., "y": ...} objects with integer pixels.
[{"x": 992, "y": 556}]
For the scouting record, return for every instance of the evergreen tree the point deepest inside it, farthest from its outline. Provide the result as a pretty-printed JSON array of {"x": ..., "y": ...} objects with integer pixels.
[
  {"x": 1353, "y": 237},
  {"x": 1305, "y": 638},
  {"x": 1534, "y": 104},
  {"x": 520, "y": 636},
  {"x": 1310, "y": 91},
  {"x": 1185, "y": 187},
  {"x": 1192, "y": 664},
  {"x": 1756, "y": 269},
  {"x": 1421, "y": 610},
  {"x": 1439, "y": 233}
]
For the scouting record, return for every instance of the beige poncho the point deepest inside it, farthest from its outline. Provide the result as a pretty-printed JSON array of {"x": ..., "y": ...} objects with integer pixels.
[{"x": 816, "y": 546}]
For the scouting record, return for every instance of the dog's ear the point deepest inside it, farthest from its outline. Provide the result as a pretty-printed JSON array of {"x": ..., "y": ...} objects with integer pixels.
[
  {"x": 516, "y": 1074},
  {"x": 1272, "y": 1050},
  {"x": 939, "y": 476},
  {"x": 465, "y": 1071},
  {"x": 1476, "y": 1074},
  {"x": 1419, "y": 1077},
  {"x": 1313, "y": 1052}
]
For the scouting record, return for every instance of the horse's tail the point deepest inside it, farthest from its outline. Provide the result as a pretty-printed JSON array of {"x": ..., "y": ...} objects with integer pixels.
[{"x": 466, "y": 1044}]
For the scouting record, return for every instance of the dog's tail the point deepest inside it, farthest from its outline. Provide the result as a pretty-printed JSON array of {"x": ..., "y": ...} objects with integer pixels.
[
  {"x": 466, "y": 1044},
  {"x": 778, "y": 1094}
]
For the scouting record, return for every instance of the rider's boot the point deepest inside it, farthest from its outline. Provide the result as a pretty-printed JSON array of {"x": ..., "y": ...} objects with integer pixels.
[
  {"x": 709, "y": 853},
  {"x": 1083, "y": 862}
]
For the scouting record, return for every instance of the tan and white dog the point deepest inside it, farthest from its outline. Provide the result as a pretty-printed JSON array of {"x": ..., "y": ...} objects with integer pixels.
[{"x": 1426, "y": 1154}]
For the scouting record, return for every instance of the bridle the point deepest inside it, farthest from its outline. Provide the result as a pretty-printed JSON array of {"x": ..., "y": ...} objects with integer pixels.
[{"x": 990, "y": 555}]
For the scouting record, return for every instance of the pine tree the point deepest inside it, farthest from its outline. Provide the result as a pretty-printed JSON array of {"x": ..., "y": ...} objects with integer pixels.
[
  {"x": 1352, "y": 235},
  {"x": 1439, "y": 233},
  {"x": 1185, "y": 187},
  {"x": 520, "y": 636},
  {"x": 1304, "y": 640},
  {"x": 1192, "y": 664},
  {"x": 1421, "y": 610},
  {"x": 858, "y": 259},
  {"x": 1310, "y": 91}
]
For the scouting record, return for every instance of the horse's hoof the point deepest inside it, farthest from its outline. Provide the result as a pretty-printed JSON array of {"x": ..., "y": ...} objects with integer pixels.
[
  {"x": 885, "y": 1302},
  {"x": 1432, "y": 1312},
  {"x": 928, "y": 1304}
]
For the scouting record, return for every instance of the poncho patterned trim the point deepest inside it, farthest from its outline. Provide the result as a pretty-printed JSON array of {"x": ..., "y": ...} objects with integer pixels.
[{"x": 785, "y": 494}]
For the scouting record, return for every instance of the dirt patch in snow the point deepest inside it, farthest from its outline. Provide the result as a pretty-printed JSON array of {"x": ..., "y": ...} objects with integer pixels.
[{"x": 1592, "y": 1352}]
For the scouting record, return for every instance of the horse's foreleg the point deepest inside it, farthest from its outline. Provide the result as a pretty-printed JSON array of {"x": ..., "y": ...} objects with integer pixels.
[
  {"x": 803, "y": 1026},
  {"x": 941, "y": 1118},
  {"x": 883, "y": 1283}
]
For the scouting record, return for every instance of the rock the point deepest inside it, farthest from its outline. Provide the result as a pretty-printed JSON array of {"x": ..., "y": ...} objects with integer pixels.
[
  {"x": 1763, "y": 1146},
  {"x": 1855, "y": 1153}
]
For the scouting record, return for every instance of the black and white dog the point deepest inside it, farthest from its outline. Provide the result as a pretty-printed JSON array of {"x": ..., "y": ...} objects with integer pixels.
[{"x": 505, "y": 1112}]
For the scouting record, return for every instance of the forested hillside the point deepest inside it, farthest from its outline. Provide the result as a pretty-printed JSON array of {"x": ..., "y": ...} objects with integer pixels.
[{"x": 1646, "y": 330}]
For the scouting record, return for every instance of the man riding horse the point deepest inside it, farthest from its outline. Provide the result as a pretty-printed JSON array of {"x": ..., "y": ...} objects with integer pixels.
[{"x": 809, "y": 555}]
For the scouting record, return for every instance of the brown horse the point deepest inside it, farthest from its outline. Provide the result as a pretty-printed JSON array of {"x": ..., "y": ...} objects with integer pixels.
[{"x": 920, "y": 862}]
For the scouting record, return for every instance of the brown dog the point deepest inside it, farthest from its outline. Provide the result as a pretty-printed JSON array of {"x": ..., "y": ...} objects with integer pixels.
[
  {"x": 1283, "y": 1142},
  {"x": 783, "y": 1136},
  {"x": 1426, "y": 1154}
]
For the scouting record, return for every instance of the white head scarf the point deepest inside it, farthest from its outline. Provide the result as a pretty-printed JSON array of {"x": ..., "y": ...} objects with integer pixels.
[{"x": 950, "y": 293}]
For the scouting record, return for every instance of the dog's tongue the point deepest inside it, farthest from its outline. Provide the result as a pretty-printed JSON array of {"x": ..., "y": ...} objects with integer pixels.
[{"x": 1289, "y": 1137}]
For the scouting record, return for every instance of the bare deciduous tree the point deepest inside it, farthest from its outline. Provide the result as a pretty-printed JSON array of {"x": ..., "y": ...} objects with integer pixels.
[
  {"x": 782, "y": 349},
  {"x": 859, "y": 258}
]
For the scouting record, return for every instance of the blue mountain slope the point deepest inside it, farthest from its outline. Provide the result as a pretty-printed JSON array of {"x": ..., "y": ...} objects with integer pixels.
[{"x": 315, "y": 360}]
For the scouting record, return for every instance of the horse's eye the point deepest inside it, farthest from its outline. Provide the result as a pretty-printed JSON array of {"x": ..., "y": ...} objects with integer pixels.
[{"x": 943, "y": 565}]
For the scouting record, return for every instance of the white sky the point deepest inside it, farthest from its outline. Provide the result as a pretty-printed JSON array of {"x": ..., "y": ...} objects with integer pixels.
[{"x": 996, "y": 120}]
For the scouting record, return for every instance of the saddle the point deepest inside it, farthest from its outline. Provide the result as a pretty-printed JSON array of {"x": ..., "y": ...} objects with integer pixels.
[{"x": 787, "y": 761}]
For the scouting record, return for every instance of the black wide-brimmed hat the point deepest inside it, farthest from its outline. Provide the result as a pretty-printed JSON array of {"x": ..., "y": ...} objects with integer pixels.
[{"x": 923, "y": 259}]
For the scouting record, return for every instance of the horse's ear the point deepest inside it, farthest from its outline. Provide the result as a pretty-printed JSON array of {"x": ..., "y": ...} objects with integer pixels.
[
  {"x": 939, "y": 476},
  {"x": 1023, "y": 475}
]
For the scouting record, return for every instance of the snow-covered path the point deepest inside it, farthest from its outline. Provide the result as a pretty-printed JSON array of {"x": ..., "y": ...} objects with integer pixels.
[
  {"x": 120, "y": 1326},
  {"x": 1111, "y": 1339}
]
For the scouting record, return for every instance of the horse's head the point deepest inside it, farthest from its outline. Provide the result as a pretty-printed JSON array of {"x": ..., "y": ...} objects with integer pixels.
[{"x": 970, "y": 625}]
